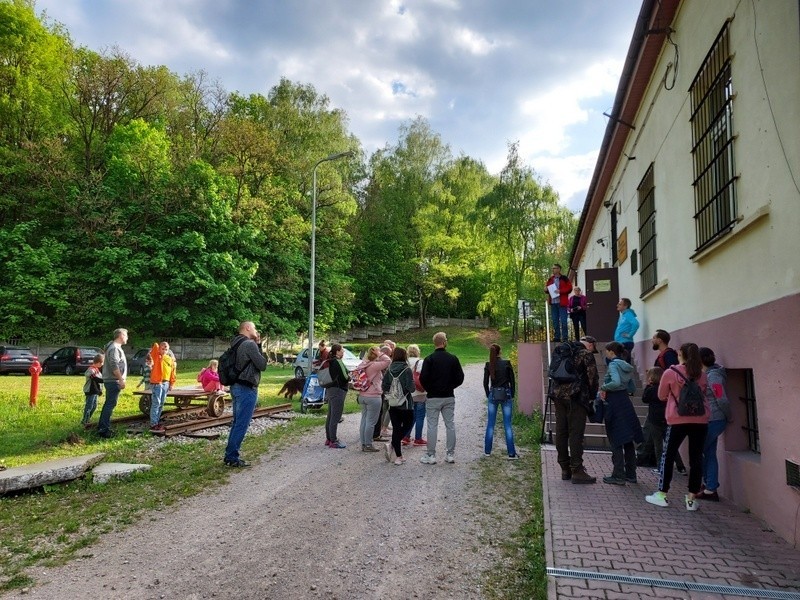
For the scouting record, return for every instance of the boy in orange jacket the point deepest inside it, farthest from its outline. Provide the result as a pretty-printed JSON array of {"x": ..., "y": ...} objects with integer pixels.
[{"x": 162, "y": 379}]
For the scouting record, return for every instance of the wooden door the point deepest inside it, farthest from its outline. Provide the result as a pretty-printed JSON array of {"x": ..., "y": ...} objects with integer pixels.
[{"x": 602, "y": 293}]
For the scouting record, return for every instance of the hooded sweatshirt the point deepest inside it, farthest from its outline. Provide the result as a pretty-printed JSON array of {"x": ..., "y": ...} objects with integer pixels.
[
  {"x": 715, "y": 393},
  {"x": 627, "y": 326},
  {"x": 374, "y": 369},
  {"x": 619, "y": 376}
]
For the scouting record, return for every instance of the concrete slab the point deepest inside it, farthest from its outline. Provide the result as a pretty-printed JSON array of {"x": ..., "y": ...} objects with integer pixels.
[
  {"x": 103, "y": 472},
  {"x": 44, "y": 473}
]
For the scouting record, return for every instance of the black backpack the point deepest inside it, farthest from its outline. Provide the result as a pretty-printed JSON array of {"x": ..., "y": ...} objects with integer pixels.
[
  {"x": 562, "y": 364},
  {"x": 228, "y": 374},
  {"x": 691, "y": 402}
]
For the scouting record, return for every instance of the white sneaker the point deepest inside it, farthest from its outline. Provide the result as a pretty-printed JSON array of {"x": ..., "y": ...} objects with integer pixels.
[
  {"x": 428, "y": 459},
  {"x": 691, "y": 504},
  {"x": 449, "y": 458},
  {"x": 657, "y": 498}
]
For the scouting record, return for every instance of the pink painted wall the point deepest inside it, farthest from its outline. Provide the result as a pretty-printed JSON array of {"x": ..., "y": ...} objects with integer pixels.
[
  {"x": 529, "y": 379},
  {"x": 766, "y": 339}
]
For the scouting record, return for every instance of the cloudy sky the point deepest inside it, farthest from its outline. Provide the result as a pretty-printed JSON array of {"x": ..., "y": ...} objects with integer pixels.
[{"x": 482, "y": 72}]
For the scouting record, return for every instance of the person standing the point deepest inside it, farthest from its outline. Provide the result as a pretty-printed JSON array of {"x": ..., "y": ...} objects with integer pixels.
[
  {"x": 370, "y": 399},
  {"x": 649, "y": 452},
  {"x": 335, "y": 395},
  {"x": 622, "y": 424},
  {"x": 498, "y": 384},
  {"x": 115, "y": 371},
  {"x": 250, "y": 362},
  {"x": 92, "y": 388},
  {"x": 695, "y": 427},
  {"x": 162, "y": 379},
  {"x": 419, "y": 398},
  {"x": 717, "y": 421},
  {"x": 571, "y": 401},
  {"x": 666, "y": 355},
  {"x": 441, "y": 375},
  {"x": 577, "y": 312},
  {"x": 402, "y": 416},
  {"x": 557, "y": 289},
  {"x": 627, "y": 326}
]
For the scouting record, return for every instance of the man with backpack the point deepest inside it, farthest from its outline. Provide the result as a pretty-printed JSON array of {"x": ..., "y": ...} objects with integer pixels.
[
  {"x": 573, "y": 387},
  {"x": 244, "y": 374}
]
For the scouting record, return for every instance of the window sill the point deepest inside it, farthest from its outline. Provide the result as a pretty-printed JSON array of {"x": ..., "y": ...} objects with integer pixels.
[
  {"x": 742, "y": 225},
  {"x": 652, "y": 292}
]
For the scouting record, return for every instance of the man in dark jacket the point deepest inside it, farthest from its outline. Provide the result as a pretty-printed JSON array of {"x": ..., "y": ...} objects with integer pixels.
[
  {"x": 441, "y": 374},
  {"x": 250, "y": 362},
  {"x": 647, "y": 454},
  {"x": 572, "y": 402}
]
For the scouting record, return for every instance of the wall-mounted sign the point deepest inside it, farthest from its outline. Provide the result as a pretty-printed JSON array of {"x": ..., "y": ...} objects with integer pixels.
[
  {"x": 601, "y": 285},
  {"x": 622, "y": 247}
]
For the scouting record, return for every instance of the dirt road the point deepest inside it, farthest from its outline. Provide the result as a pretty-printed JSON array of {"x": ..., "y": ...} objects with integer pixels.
[{"x": 310, "y": 522}]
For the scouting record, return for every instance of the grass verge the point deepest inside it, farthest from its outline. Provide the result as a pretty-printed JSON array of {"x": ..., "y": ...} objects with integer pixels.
[{"x": 521, "y": 571}]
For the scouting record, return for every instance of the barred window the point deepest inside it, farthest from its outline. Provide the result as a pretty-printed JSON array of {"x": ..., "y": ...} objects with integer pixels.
[
  {"x": 749, "y": 399},
  {"x": 648, "y": 257},
  {"x": 711, "y": 94}
]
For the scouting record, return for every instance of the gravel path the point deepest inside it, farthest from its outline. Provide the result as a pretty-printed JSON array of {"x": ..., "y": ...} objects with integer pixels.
[{"x": 309, "y": 522}]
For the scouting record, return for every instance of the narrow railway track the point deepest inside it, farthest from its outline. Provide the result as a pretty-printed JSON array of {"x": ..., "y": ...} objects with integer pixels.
[{"x": 171, "y": 430}]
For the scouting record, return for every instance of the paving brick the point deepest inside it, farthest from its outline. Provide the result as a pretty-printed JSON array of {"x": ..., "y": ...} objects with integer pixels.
[{"x": 718, "y": 544}]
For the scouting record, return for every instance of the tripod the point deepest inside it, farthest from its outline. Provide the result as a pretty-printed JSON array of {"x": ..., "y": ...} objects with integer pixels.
[{"x": 548, "y": 412}]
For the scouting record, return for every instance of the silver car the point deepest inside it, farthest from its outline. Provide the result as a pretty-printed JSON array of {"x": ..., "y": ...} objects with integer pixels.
[{"x": 300, "y": 364}]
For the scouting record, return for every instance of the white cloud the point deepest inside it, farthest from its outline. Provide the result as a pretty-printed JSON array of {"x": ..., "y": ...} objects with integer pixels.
[
  {"x": 569, "y": 175},
  {"x": 471, "y": 41}
]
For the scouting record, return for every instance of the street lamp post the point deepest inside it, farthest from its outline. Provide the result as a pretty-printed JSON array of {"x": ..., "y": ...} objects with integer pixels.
[{"x": 314, "y": 250}]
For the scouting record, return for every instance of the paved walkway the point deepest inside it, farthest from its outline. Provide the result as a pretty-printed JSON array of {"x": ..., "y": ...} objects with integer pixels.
[{"x": 632, "y": 549}]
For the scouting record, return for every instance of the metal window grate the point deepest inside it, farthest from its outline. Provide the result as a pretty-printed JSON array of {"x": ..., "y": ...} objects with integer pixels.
[
  {"x": 648, "y": 257},
  {"x": 711, "y": 93},
  {"x": 690, "y": 586},
  {"x": 751, "y": 410},
  {"x": 792, "y": 474}
]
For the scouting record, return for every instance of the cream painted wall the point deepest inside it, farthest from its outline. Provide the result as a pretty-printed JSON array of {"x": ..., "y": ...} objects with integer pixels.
[{"x": 758, "y": 261}]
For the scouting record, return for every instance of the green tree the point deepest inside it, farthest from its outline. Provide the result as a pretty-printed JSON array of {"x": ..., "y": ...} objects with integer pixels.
[{"x": 527, "y": 227}]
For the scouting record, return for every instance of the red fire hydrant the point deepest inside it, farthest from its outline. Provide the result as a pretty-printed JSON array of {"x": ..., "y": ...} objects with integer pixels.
[{"x": 34, "y": 370}]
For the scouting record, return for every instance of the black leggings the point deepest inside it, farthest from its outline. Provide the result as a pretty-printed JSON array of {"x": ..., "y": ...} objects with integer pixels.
[
  {"x": 696, "y": 432},
  {"x": 402, "y": 420}
]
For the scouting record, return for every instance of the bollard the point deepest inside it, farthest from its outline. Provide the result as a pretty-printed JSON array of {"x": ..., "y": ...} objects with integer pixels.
[{"x": 34, "y": 370}]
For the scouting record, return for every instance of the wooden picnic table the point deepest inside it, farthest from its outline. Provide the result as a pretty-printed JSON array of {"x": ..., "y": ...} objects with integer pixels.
[{"x": 183, "y": 398}]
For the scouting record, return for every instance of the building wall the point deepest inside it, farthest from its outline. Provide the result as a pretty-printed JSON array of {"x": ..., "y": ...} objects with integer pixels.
[
  {"x": 741, "y": 297},
  {"x": 756, "y": 339}
]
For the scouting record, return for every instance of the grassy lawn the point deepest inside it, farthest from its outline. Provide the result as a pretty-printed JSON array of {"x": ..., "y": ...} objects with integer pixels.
[{"x": 52, "y": 525}]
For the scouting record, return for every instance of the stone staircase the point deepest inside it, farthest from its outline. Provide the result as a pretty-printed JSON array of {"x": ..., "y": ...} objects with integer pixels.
[{"x": 595, "y": 436}]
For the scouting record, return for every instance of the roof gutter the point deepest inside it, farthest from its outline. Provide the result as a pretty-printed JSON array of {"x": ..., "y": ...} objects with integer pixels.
[{"x": 646, "y": 43}]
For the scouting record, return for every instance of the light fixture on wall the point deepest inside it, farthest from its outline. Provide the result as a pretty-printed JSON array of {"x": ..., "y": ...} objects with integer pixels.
[{"x": 601, "y": 241}]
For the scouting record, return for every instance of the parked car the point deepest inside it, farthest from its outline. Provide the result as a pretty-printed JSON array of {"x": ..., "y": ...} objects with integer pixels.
[
  {"x": 16, "y": 359},
  {"x": 136, "y": 362},
  {"x": 300, "y": 364},
  {"x": 70, "y": 360}
]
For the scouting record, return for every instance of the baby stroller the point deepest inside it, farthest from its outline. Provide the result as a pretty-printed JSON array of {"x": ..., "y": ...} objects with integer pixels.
[{"x": 313, "y": 394}]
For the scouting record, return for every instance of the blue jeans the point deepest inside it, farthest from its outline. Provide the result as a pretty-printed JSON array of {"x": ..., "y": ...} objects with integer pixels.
[
  {"x": 506, "y": 407},
  {"x": 419, "y": 421},
  {"x": 558, "y": 315},
  {"x": 112, "y": 395},
  {"x": 244, "y": 403},
  {"x": 710, "y": 464},
  {"x": 89, "y": 407},
  {"x": 157, "y": 401}
]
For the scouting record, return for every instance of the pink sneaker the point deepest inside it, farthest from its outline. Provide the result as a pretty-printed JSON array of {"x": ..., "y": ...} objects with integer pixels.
[
  {"x": 420, "y": 442},
  {"x": 399, "y": 461},
  {"x": 406, "y": 441}
]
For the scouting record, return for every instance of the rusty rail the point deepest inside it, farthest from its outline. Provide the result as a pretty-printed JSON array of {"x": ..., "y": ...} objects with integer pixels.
[{"x": 198, "y": 424}]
